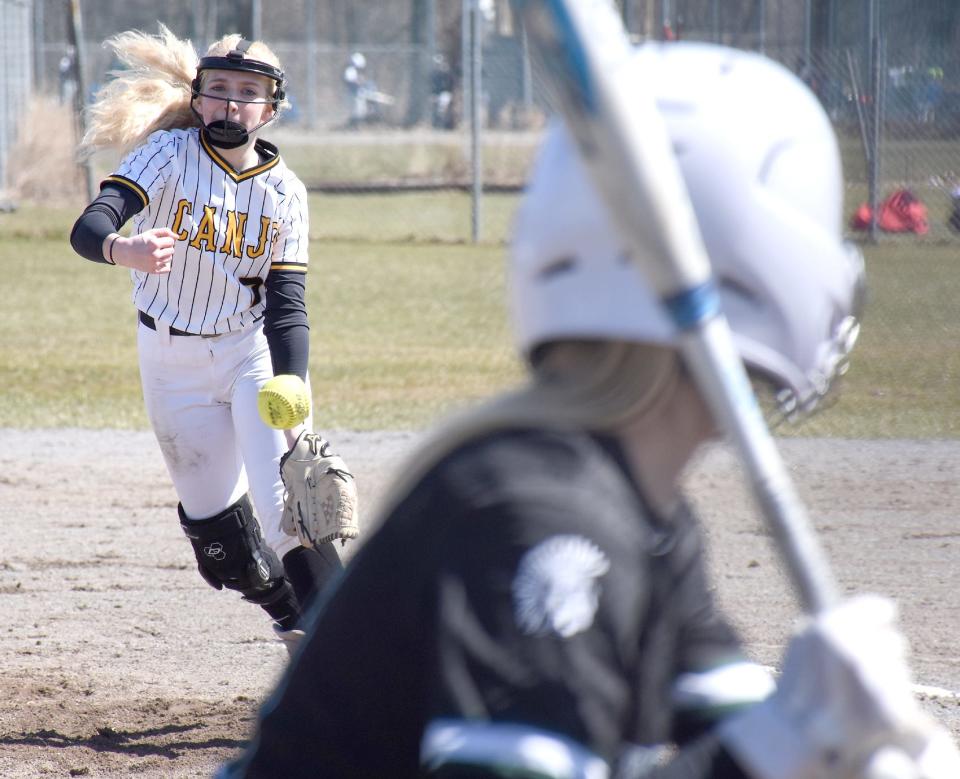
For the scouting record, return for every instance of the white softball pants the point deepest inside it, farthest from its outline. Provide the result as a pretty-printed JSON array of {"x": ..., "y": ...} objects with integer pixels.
[{"x": 201, "y": 399}]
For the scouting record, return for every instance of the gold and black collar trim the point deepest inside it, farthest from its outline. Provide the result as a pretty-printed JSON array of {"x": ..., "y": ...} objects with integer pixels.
[{"x": 264, "y": 148}]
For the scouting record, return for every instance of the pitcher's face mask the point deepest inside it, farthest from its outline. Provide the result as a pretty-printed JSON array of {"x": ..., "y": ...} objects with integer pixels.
[{"x": 228, "y": 133}]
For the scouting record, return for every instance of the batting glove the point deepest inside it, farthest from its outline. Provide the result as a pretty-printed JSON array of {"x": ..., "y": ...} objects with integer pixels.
[{"x": 843, "y": 707}]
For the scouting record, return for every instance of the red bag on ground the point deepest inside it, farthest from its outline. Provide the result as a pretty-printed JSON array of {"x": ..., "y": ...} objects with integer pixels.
[
  {"x": 902, "y": 212},
  {"x": 861, "y": 217}
]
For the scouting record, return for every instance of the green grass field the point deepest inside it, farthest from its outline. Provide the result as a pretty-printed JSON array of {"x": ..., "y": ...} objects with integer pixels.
[{"x": 410, "y": 323}]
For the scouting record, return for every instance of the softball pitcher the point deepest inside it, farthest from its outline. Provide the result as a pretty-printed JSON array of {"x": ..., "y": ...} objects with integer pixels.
[{"x": 218, "y": 260}]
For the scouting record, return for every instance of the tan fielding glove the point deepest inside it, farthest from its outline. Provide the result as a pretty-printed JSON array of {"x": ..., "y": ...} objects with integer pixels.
[{"x": 320, "y": 500}]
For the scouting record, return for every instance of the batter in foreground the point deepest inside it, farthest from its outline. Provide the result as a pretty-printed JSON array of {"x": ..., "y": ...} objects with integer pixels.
[{"x": 558, "y": 621}]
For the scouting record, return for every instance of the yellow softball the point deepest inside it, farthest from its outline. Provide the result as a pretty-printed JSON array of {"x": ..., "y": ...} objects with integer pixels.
[{"x": 284, "y": 401}]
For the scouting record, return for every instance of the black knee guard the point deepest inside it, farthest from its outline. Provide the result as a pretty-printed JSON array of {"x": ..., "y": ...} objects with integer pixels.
[{"x": 231, "y": 553}]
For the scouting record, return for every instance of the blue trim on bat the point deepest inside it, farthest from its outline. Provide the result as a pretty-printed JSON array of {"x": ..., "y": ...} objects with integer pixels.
[
  {"x": 571, "y": 54},
  {"x": 689, "y": 308}
]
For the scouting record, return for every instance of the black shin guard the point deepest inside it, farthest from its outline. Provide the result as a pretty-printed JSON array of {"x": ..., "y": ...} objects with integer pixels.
[
  {"x": 281, "y": 604},
  {"x": 309, "y": 570}
]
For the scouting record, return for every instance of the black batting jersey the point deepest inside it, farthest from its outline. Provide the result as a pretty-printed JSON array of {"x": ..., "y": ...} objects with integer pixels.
[
  {"x": 522, "y": 587},
  {"x": 233, "y": 228}
]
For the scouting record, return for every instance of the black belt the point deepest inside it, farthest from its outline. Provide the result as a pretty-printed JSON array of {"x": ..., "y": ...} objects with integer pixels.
[{"x": 148, "y": 321}]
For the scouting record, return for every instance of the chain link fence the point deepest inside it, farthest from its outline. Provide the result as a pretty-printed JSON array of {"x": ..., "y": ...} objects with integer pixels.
[
  {"x": 407, "y": 118},
  {"x": 15, "y": 80},
  {"x": 888, "y": 74}
]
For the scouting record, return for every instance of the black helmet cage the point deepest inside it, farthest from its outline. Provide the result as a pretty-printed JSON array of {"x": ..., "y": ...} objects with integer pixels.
[{"x": 236, "y": 59}]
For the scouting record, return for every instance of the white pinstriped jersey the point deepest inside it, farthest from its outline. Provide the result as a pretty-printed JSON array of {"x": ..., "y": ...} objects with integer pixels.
[{"x": 232, "y": 228}]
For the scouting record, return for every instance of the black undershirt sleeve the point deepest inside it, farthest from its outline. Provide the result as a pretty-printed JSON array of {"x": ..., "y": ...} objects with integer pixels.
[
  {"x": 106, "y": 214},
  {"x": 285, "y": 322}
]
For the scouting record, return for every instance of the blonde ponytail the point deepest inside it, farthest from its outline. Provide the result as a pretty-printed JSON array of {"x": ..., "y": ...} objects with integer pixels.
[{"x": 152, "y": 93}]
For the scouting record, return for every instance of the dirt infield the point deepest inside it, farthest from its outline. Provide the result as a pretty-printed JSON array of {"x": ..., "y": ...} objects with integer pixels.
[{"x": 118, "y": 660}]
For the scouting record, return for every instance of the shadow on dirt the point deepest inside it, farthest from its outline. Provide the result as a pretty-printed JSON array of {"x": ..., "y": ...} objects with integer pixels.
[{"x": 139, "y": 743}]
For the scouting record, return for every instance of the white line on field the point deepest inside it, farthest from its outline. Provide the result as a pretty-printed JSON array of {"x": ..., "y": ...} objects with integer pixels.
[{"x": 935, "y": 692}]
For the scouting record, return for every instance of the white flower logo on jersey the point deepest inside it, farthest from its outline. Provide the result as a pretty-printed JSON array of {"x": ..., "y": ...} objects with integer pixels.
[{"x": 556, "y": 587}]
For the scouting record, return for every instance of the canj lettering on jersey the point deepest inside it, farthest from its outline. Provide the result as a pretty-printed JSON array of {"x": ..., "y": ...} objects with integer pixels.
[
  {"x": 204, "y": 231},
  {"x": 230, "y": 226}
]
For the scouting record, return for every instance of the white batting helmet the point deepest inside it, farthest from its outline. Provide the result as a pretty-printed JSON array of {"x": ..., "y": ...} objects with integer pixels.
[{"x": 762, "y": 167}]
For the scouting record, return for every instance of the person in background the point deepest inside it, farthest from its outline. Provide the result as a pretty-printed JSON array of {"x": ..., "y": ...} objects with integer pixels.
[
  {"x": 355, "y": 81},
  {"x": 441, "y": 94},
  {"x": 67, "y": 74}
]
